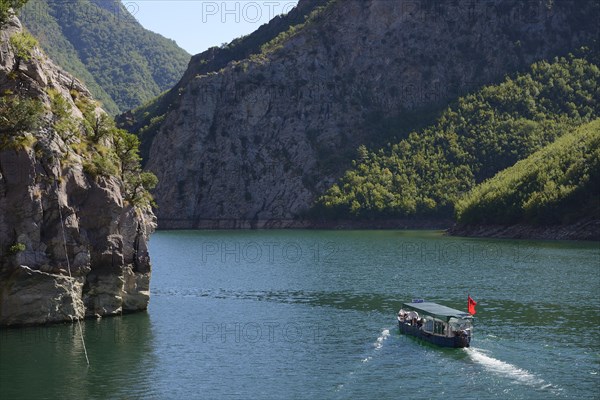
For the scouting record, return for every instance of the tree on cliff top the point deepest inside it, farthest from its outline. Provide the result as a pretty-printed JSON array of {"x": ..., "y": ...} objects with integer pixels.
[
  {"x": 7, "y": 9},
  {"x": 22, "y": 44}
]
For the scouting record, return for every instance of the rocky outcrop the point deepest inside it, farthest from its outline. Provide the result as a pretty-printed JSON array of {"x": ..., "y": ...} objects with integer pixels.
[
  {"x": 70, "y": 245},
  {"x": 255, "y": 143}
]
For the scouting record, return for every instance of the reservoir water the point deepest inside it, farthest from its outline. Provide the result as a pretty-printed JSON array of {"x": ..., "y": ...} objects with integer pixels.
[{"x": 311, "y": 315}]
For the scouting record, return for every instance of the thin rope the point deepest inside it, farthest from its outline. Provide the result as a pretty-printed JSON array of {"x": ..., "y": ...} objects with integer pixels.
[{"x": 62, "y": 224}]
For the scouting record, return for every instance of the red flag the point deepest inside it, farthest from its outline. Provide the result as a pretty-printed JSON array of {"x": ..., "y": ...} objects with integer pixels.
[{"x": 471, "y": 305}]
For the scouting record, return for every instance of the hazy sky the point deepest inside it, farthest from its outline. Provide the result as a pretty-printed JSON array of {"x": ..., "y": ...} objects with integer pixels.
[{"x": 199, "y": 24}]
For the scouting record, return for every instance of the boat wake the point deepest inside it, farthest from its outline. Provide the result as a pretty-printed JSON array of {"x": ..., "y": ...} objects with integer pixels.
[
  {"x": 508, "y": 370},
  {"x": 378, "y": 343},
  {"x": 384, "y": 335}
]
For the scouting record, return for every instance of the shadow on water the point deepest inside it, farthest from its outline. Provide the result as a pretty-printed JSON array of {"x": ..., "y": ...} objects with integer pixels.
[
  {"x": 340, "y": 300},
  {"x": 48, "y": 362}
]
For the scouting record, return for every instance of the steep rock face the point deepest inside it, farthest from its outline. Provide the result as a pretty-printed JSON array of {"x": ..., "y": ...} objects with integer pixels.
[
  {"x": 147, "y": 119},
  {"x": 103, "y": 268},
  {"x": 256, "y": 142}
]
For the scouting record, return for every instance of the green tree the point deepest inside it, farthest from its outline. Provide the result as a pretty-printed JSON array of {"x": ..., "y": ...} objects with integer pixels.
[
  {"x": 65, "y": 124},
  {"x": 138, "y": 188},
  {"x": 8, "y": 8},
  {"x": 18, "y": 114},
  {"x": 115, "y": 152},
  {"x": 22, "y": 44},
  {"x": 127, "y": 150}
]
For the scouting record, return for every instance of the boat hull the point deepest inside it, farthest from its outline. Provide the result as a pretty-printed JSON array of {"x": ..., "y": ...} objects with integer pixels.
[{"x": 453, "y": 342}]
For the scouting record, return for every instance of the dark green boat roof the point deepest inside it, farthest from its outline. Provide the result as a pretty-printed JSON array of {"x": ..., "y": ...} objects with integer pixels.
[{"x": 436, "y": 310}]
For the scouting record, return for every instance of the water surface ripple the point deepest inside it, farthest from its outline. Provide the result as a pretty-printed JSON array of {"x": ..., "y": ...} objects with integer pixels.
[{"x": 311, "y": 315}]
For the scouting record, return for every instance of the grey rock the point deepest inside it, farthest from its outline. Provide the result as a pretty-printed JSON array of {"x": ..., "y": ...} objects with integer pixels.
[
  {"x": 104, "y": 267},
  {"x": 28, "y": 296}
]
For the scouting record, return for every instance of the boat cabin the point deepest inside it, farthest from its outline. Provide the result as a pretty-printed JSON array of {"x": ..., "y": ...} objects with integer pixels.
[{"x": 431, "y": 320}]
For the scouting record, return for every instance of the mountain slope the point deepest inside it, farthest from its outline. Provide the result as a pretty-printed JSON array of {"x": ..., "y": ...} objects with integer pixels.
[
  {"x": 484, "y": 133},
  {"x": 147, "y": 119},
  {"x": 558, "y": 184},
  {"x": 123, "y": 64},
  {"x": 258, "y": 141}
]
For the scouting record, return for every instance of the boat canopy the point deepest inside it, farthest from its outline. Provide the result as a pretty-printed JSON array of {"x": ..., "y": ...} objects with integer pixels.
[{"x": 436, "y": 310}]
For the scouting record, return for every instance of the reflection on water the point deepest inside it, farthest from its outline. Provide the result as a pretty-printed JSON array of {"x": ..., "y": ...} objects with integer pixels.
[
  {"x": 341, "y": 300},
  {"x": 49, "y": 362}
]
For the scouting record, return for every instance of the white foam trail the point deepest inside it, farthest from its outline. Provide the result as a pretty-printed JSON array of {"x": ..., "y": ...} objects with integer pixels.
[
  {"x": 378, "y": 343},
  {"x": 501, "y": 367},
  {"x": 384, "y": 335},
  {"x": 511, "y": 371}
]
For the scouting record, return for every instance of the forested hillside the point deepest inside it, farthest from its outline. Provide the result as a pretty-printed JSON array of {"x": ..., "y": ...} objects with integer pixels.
[
  {"x": 484, "y": 133},
  {"x": 99, "y": 41},
  {"x": 558, "y": 184}
]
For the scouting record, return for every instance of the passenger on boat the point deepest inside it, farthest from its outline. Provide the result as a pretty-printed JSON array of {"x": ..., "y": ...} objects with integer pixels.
[
  {"x": 413, "y": 316},
  {"x": 402, "y": 315}
]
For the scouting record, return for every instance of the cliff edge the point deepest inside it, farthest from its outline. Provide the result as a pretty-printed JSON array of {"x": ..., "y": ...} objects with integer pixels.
[{"x": 72, "y": 244}]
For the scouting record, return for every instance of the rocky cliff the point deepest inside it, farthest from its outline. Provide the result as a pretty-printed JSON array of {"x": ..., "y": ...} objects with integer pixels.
[
  {"x": 101, "y": 267},
  {"x": 255, "y": 142}
]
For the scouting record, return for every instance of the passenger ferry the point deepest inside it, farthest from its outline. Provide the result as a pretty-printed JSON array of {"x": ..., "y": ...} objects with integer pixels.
[{"x": 435, "y": 323}]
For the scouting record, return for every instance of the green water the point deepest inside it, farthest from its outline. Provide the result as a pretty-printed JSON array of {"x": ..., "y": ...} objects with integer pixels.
[{"x": 311, "y": 315}]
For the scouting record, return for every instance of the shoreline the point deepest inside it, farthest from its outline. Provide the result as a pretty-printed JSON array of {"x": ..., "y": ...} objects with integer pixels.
[
  {"x": 588, "y": 230},
  {"x": 333, "y": 224}
]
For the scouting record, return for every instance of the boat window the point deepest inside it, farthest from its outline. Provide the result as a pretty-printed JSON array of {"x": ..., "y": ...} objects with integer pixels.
[
  {"x": 439, "y": 327},
  {"x": 428, "y": 326},
  {"x": 460, "y": 324}
]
